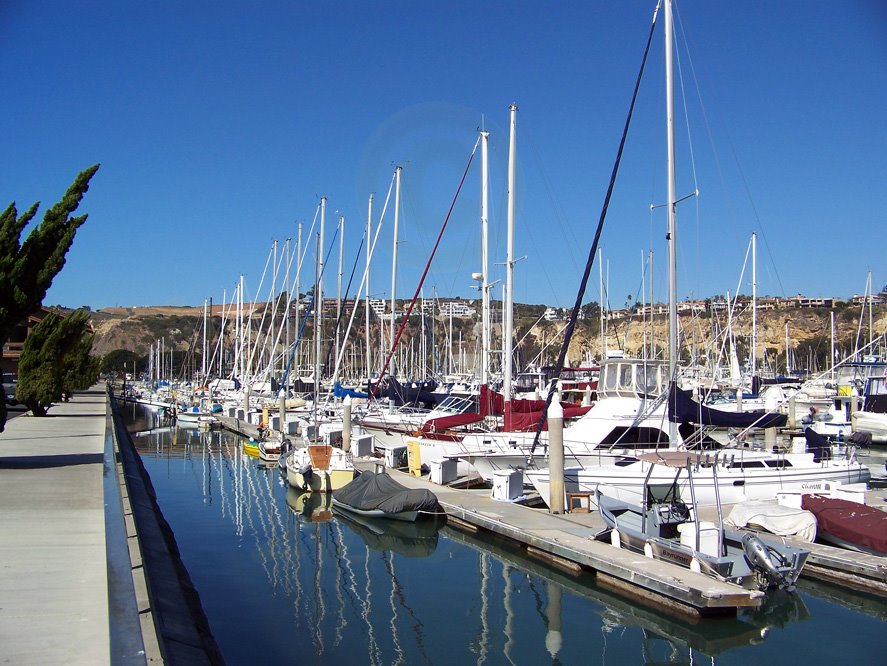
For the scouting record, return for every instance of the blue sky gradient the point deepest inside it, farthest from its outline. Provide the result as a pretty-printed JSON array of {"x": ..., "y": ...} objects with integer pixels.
[{"x": 219, "y": 125}]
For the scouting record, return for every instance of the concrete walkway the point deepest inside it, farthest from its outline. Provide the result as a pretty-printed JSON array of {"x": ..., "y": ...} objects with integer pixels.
[{"x": 53, "y": 566}]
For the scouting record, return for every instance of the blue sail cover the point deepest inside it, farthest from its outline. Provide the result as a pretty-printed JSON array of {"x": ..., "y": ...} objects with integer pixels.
[
  {"x": 340, "y": 392},
  {"x": 684, "y": 409}
]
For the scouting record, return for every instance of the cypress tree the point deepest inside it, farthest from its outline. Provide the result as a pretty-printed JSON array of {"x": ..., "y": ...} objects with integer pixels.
[
  {"x": 55, "y": 360},
  {"x": 28, "y": 269}
]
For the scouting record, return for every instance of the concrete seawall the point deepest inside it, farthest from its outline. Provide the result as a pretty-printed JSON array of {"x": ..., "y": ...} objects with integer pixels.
[{"x": 84, "y": 562}]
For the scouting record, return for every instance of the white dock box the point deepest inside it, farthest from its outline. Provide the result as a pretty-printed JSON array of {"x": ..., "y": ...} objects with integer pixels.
[
  {"x": 507, "y": 484},
  {"x": 362, "y": 445},
  {"x": 442, "y": 471},
  {"x": 395, "y": 455}
]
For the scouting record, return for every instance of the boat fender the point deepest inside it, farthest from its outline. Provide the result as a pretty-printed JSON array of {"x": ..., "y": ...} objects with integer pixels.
[{"x": 758, "y": 555}]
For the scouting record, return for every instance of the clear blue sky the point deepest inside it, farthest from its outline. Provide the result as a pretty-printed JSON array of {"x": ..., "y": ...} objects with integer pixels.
[{"x": 219, "y": 125}]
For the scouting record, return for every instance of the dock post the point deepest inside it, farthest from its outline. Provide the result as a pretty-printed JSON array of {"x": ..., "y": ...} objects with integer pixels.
[
  {"x": 553, "y": 639},
  {"x": 246, "y": 403},
  {"x": 770, "y": 438},
  {"x": 346, "y": 424},
  {"x": 556, "y": 456},
  {"x": 281, "y": 406},
  {"x": 792, "y": 421}
]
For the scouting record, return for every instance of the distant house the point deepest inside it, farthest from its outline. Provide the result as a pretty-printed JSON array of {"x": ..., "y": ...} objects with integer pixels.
[
  {"x": 876, "y": 299},
  {"x": 12, "y": 348},
  {"x": 806, "y": 302},
  {"x": 456, "y": 309}
]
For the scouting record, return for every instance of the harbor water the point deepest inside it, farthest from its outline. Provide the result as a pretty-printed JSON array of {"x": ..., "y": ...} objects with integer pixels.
[{"x": 285, "y": 579}]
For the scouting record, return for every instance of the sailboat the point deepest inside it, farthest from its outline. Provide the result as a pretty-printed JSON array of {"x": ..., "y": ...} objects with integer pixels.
[{"x": 730, "y": 475}]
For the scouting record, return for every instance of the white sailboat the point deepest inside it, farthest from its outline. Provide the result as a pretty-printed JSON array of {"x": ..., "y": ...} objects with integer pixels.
[{"x": 734, "y": 475}]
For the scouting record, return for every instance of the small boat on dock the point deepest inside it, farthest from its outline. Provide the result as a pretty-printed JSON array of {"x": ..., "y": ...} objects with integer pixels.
[
  {"x": 848, "y": 524},
  {"x": 664, "y": 527},
  {"x": 319, "y": 468},
  {"x": 377, "y": 495}
]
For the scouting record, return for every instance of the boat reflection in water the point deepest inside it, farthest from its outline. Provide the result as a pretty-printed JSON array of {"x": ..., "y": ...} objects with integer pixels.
[
  {"x": 681, "y": 635},
  {"x": 417, "y": 539},
  {"x": 283, "y": 577}
]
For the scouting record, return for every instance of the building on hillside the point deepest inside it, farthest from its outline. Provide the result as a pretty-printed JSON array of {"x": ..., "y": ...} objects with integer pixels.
[
  {"x": 690, "y": 307},
  {"x": 456, "y": 309},
  {"x": 806, "y": 302},
  {"x": 12, "y": 348},
  {"x": 876, "y": 299}
]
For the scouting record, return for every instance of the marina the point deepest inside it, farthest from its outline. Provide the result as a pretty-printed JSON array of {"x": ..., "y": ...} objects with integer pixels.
[
  {"x": 213, "y": 463},
  {"x": 297, "y": 473}
]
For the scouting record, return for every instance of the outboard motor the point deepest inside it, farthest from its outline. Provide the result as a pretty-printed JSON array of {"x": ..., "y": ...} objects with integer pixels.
[
  {"x": 307, "y": 473},
  {"x": 759, "y": 556}
]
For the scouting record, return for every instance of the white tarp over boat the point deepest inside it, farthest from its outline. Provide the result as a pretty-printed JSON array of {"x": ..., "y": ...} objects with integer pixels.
[{"x": 775, "y": 518}]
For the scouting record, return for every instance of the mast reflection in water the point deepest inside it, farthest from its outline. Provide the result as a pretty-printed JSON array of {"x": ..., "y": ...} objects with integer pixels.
[{"x": 285, "y": 579}]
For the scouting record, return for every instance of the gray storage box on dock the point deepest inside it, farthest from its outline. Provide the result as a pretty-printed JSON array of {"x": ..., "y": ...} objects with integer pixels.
[
  {"x": 362, "y": 445},
  {"x": 507, "y": 484},
  {"x": 395, "y": 455},
  {"x": 442, "y": 471}
]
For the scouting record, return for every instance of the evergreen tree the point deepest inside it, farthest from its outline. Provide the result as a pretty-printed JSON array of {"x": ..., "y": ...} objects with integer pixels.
[
  {"x": 55, "y": 360},
  {"x": 28, "y": 269}
]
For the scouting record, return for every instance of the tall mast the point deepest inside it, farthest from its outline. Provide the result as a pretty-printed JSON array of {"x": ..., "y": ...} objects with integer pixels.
[
  {"x": 652, "y": 305},
  {"x": 339, "y": 284},
  {"x": 318, "y": 300},
  {"x": 367, "y": 301},
  {"x": 754, "y": 304},
  {"x": 600, "y": 277},
  {"x": 272, "y": 301},
  {"x": 397, "y": 172},
  {"x": 299, "y": 281},
  {"x": 672, "y": 210},
  {"x": 203, "y": 355},
  {"x": 289, "y": 309},
  {"x": 484, "y": 287},
  {"x": 509, "y": 261}
]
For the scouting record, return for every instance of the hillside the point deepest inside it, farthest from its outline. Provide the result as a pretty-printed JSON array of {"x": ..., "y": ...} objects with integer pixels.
[{"x": 137, "y": 328}]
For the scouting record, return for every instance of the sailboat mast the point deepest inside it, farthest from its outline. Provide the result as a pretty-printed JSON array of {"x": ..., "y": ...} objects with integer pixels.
[
  {"x": 509, "y": 261},
  {"x": 754, "y": 304},
  {"x": 339, "y": 282},
  {"x": 203, "y": 355},
  {"x": 318, "y": 295},
  {"x": 367, "y": 301},
  {"x": 672, "y": 209},
  {"x": 397, "y": 172},
  {"x": 484, "y": 287}
]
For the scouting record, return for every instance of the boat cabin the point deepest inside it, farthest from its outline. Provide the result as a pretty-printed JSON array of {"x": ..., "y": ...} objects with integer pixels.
[{"x": 633, "y": 378}]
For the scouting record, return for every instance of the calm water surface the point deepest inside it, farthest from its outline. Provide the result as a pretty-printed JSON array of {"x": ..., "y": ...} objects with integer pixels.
[{"x": 285, "y": 580}]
